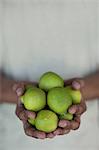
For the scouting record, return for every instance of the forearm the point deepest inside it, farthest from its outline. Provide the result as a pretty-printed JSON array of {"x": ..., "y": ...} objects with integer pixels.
[
  {"x": 7, "y": 95},
  {"x": 91, "y": 88}
]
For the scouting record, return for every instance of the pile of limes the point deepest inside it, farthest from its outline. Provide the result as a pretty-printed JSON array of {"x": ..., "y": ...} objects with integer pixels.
[{"x": 50, "y": 100}]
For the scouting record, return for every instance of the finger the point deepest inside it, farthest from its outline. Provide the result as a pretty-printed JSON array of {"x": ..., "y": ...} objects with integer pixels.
[
  {"x": 20, "y": 91},
  {"x": 64, "y": 123},
  {"x": 21, "y": 112},
  {"x": 66, "y": 131},
  {"x": 81, "y": 109},
  {"x": 19, "y": 103},
  {"x": 69, "y": 82},
  {"x": 73, "y": 109},
  {"x": 26, "y": 125},
  {"x": 30, "y": 131},
  {"x": 24, "y": 114},
  {"x": 30, "y": 114},
  {"x": 77, "y": 118},
  {"x": 50, "y": 135},
  {"x": 18, "y": 86},
  {"x": 78, "y": 109},
  {"x": 77, "y": 84},
  {"x": 23, "y": 84},
  {"x": 19, "y": 109},
  {"x": 39, "y": 134},
  {"x": 74, "y": 125},
  {"x": 58, "y": 131}
]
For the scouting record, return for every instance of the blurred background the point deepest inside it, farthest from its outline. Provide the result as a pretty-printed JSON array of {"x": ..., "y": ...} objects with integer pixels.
[{"x": 41, "y": 35}]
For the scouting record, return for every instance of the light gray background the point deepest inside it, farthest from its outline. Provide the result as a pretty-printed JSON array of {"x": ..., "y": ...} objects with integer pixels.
[{"x": 41, "y": 35}]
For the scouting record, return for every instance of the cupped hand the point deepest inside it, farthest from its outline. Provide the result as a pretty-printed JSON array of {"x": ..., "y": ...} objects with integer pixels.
[
  {"x": 78, "y": 109},
  {"x": 24, "y": 114},
  {"x": 64, "y": 126}
]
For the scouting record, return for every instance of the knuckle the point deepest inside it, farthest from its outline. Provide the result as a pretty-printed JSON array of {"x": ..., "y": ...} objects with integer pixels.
[
  {"x": 22, "y": 115},
  {"x": 75, "y": 125},
  {"x": 66, "y": 131}
]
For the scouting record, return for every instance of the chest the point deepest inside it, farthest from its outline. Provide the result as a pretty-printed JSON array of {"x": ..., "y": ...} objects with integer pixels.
[{"x": 49, "y": 36}]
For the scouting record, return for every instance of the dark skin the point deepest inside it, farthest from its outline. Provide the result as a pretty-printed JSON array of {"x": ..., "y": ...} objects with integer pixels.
[{"x": 89, "y": 87}]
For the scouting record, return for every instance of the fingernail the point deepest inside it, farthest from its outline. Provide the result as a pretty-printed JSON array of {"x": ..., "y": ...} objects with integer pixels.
[
  {"x": 30, "y": 114},
  {"x": 63, "y": 123},
  {"x": 19, "y": 91},
  {"x": 76, "y": 85},
  {"x": 72, "y": 110}
]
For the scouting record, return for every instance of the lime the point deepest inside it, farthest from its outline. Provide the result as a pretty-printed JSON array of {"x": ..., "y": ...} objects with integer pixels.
[
  {"x": 46, "y": 121},
  {"x": 31, "y": 121},
  {"x": 22, "y": 99},
  {"x": 58, "y": 100},
  {"x": 75, "y": 95},
  {"x": 50, "y": 80},
  {"x": 66, "y": 116},
  {"x": 34, "y": 99}
]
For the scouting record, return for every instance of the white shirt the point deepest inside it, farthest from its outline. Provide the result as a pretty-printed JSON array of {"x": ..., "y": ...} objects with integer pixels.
[{"x": 41, "y": 35}]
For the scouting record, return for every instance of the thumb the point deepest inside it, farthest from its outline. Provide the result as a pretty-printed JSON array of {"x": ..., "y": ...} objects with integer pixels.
[{"x": 77, "y": 84}]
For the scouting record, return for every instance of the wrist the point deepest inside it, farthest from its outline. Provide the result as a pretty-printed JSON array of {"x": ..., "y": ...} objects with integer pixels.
[
  {"x": 90, "y": 89},
  {"x": 6, "y": 92}
]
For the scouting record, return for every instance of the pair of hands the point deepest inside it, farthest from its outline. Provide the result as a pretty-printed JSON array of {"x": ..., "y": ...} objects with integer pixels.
[{"x": 64, "y": 126}]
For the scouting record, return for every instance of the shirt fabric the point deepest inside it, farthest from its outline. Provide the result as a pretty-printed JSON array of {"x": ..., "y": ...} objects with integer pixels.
[{"x": 49, "y": 35}]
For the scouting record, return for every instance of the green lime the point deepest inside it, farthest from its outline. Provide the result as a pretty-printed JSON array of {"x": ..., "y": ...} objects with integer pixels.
[
  {"x": 50, "y": 80},
  {"x": 75, "y": 95},
  {"x": 22, "y": 99},
  {"x": 66, "y": 116},
  {"x": 34, "y": 99},
  {"x": 58, "y": 100},
  {"x": 46, "y": 121},
  {"x": 31, "y": 121}
]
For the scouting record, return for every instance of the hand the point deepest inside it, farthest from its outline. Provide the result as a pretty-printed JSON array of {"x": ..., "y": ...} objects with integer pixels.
[
  {"x": 78, "y": 109},
  {"x": 64, "y": 126},
  {"x": 24, "y": 114}
]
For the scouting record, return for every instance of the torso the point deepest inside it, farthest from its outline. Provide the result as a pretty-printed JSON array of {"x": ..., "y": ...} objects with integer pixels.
[{"x": 48, "y": 35}]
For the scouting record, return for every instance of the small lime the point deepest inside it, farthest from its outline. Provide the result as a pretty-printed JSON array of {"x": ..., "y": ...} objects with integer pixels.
[
  {"x": 34, "y": 99},
  {"x": 66, "y": 116},
  {"x": 75, "y": 95},
  {"x": 31, "y": 121},
  {"x": 58, "y": 100},
  {"x": 46, "y": 121},
  {"x": 50, "y": 80}
]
